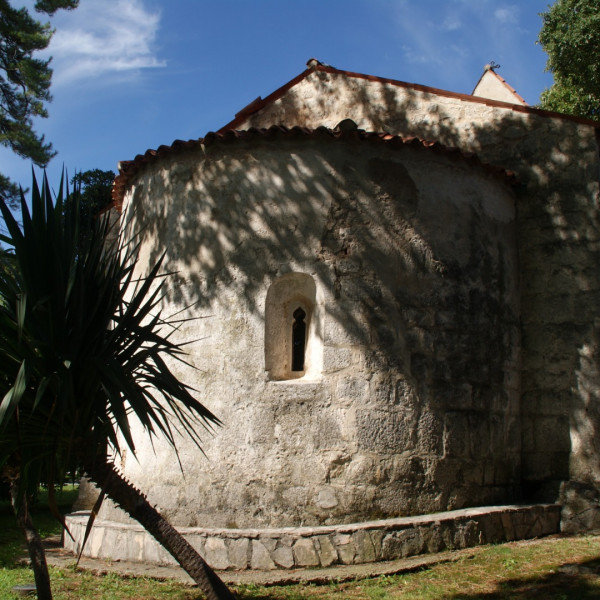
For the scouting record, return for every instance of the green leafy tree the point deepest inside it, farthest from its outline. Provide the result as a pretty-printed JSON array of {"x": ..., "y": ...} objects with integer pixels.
[
  {"x": 570, "y": 35},
  {"x": 82, "y": 354},
  {"x": 24, "y": 84}
]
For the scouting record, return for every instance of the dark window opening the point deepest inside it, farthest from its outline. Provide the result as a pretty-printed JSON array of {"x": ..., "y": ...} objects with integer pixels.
[{"x": 298, "y": 340}]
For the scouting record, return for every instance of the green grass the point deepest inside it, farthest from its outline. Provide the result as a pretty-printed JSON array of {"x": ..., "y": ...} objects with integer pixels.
[
  {"x": 558, "y": 568},
  {"x": 549, "y": 569},
  {"x": 12, "y": 547}
]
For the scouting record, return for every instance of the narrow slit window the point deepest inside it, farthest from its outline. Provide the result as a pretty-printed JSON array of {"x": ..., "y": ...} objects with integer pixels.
[{"x": 298, "y": 340}]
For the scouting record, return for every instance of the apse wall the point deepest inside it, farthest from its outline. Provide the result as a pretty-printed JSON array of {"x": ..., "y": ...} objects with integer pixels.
[{"x": 355, "y": 314}]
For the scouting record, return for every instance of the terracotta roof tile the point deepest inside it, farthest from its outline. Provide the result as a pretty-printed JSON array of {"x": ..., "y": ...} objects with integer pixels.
[{"x": 128, "y": 169}]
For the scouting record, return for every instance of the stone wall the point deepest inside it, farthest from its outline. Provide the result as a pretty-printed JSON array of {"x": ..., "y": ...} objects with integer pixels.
[
  {"x": 414, "y": 406},
  {"x": 557, "y": 162},
  {"x": 306, "y": 547}
]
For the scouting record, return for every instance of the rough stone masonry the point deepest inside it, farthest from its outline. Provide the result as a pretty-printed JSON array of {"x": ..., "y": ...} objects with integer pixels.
[{"x": 435, "y": 258}]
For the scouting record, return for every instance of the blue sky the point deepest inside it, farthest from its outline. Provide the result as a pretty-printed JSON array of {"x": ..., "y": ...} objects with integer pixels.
[{"x": 134, "y": 74}]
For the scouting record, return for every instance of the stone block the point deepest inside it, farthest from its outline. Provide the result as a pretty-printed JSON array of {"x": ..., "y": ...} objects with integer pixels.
[
  {"x": 491, "y": 529},
  {"x": 345, "y": 548},
  {"x": 344, "y": 326},
  {"x": 270, "y": 543},
  {"x": 466, "y": 535},
  {"x": 457, "y": 435},
  {"x": 365, "y": 551},
  {"x": 305, "y": 554},
  {"x": 473, "y": 473},
  {"x": 237, "y": 551},
  {"x": 326, "y": 550},
  {"x": 528, "y": 438},
  {"x": 151, "y": 551},
  {"x": 446, "y": 530},
  {"x": 391, "y": 547},
  {"x": 215, "y": 553},
  {"x": 508, "y": 527},
  {"x": 287, "y": 540},
  {"x": 197, "y": 542},
  {"x": 136, "y": 546},
  {"x": 283, "y": 557},
  {"x": 350, "y": 390},
  {"x": 96, "y": 544},
  {"x": 326, "y": 498},
  {"x": 412, "y": 542},
  {"x": 521, "y": 522},
  {"x": 385, "y": 430},
  {"x": 155, "y": 553},
  {"x": 432, "y": 538},
  {"x": 430, "y": 433},
  {"x": 337, "y": 359},
  {"x": 348, "y": 266},
  {"x": 536, "y": 528},
  {"x": 326, "y": 431},
  {"x": 580, "y": 507},
  {"x": 377, "y": 536},
  {"x": 261, "y": 559},
  {"x": 113, "y": 540}
]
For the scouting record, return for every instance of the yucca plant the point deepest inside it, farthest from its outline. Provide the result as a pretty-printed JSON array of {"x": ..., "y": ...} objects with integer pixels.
[{"x": 82, "y": 352}]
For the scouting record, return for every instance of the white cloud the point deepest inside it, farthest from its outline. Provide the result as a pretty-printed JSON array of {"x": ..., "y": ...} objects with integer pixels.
[
  {"x": 451, "y": 23},
  {"x": 100, "y": 39},
  {"x": 423, "y": 55},
  {"x": 507, "y": 15}
]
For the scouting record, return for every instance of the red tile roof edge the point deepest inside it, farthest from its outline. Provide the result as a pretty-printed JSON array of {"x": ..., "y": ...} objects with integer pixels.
[
  {"x": 259, "y": 103},
  {"x": 127, "y": 169},
  {"x": 315, "y": 65}
]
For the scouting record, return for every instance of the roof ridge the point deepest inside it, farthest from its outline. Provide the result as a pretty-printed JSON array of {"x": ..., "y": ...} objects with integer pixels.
[{"x": 314, "y": 65}]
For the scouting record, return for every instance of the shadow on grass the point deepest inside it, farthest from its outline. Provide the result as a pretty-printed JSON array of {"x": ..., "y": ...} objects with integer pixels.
[
  {"x": 12, "y": 543},
  {"x": 571, "y": 581}
]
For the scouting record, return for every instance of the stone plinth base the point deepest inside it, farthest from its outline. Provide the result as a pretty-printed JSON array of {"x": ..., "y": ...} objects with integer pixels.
[
  {"x": 297, "y": 547},
  {"x": 580, "y": 503}
]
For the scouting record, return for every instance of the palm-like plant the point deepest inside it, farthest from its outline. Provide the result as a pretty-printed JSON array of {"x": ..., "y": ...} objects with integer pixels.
[{"x": 82, "y": 349}]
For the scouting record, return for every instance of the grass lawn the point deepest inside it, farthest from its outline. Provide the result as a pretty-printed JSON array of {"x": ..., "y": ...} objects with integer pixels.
[{"x": 550, "y": 569}]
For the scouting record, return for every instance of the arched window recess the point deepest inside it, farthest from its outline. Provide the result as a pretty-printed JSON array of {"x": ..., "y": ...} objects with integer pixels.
[{"x": 293, "y": 346}]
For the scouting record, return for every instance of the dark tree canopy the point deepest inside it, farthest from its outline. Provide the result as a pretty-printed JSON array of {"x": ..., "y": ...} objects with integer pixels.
[
  {"x": 94, "y": 188},
  {"x": 570, "y": 35},
  {"x": 24, "y": 83},
  {"x": 51, "y": 6}
]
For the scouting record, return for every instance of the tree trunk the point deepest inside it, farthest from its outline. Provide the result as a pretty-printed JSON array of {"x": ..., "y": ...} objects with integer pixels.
[
  {"x": 34, "y": 544},
  {"x": 135, "y": 504}
]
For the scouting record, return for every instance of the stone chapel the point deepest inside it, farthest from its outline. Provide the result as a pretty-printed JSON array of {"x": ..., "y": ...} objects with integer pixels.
[{"x": 397, "y": 293}]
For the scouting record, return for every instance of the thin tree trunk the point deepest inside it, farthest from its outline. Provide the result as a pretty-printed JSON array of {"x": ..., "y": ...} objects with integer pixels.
[
  {"x": 34, "y": 544},
  {"x": 134, "y": 503}
]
